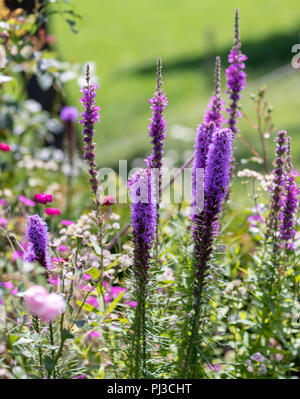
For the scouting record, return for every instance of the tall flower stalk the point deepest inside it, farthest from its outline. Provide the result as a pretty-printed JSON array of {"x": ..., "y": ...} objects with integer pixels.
[
  {"x": 37, "y": 235},
  {"x": 277, "y": 190},
  {"x": 214, "y": 109},
  {"x": 157, "y": 131},
  {"x": 90, "y": 116},
  {"x": 216, "y": 180},
  {"x": 236, "y": 77},
  {"x": 143, "y": 219},
  {"x": 290, "y": 203}
]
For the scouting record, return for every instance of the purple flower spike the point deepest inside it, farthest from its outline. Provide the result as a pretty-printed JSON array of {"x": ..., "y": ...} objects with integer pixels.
[
  {"x": 203, "y": 140},
  {"x": 143, "y": 217},
  {"x": 216, "y": 180},
  {"x": 214, "y": 109},
  {"x": 37, "y": 235},
  {"x": 90, "y": 116},
  {"x": 69, "y": 114},
  {"x": 290, "y": 205},
  {"x": 278, "y": 180},
  {"x": 157, "y": 130},
  {"x": 236, "y": 77}
]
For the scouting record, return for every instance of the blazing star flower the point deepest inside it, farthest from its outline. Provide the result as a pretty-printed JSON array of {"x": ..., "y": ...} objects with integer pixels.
[
  {"x": 69, "y": 114},
  {"x": 236, "y": 77},
  {"x": 37, "y": 234},
  {"x": 4, "y": 147},
  {"x": 157, "y": 131},
  {"x": 143, "y": 217},
  {"x": 26, "y": 201},
  {"x": 52, "y": 211},
  {"x": 203, "y": 140},
  {"x": 43, "y": 198},
  {"x": 289, "y": 203},
  {"x": 216, "y": 180},
  {"x": 90, "y": 116},
  {"x": 278, "y": 180},
  {"x": 214, "y": 109}
]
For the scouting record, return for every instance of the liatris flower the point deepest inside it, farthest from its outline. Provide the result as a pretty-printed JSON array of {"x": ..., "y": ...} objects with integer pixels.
[
  {"x": 26, "y": 201},
  {"x": 278, "y": 181},
  {"x": 236, "y": 77},
  {"x": 42, "y": 304},
  {"x": 52, "y": 211},
  {"x": 157, "y": 131},
  {"x": 216, "y": 180},
  {"x": 203, "y": 140},
  {"x": 89, "y": 117},
  {"x": 4, "y": 147},
  {"x": 69, "y": 114},
  {"x": 142, "y": 216},
  {"x": 290, "y": 204},
  {"x": 143, "y": 219},
  {"x": 37, "y": 234},
  {"x": 214, "y": 109},
  {"x": 43, "y": 198}
]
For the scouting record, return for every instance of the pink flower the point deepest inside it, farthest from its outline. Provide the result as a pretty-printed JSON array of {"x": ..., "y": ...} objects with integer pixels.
[
  {"x": 62, "y": 248},
  {"x": 133, "y": 304},
  {"x": 66, "y": 222},
  {"x": 55, "y": 280},
  {"x": 42, "y": 304},
  {"x": 116, "y": 291},
  {"x": 26, "y": 201},
  {"x": 92, "y": 301},
  {"x": 4, "y": 147},
  {"x": 93, "y": 334},
  {"x": 35, "y": 298},
  {"x": 43, "y": 198},
  {"x": 108, "y": 200},
  {"x": 3, "y": 221},
  {"x": 53, "y": 307},
  {"x": 7, "y": 284},
  {"x": 52, "y": 211},
  {"x": 214, "y": 367},
  {"x": 87, "y": 277}
]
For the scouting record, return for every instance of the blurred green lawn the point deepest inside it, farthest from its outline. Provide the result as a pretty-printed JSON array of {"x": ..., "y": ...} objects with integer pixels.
[{"x": 124, "y": 39}]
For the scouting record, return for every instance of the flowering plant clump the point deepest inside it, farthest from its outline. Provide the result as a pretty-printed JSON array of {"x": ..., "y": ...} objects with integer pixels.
[{"x": 151, "y": 273}]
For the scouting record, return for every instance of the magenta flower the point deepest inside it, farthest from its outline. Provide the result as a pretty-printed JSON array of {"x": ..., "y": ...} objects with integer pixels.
[
  {"x": 43, "y": 198},
  {"x": 52, "y": 211},
  {"x": 69, "y": 114},
  {"x": 93, "y": 301},
  {"x": 4, "y": 147},
  {"x": 9, "y": 286},
  {"x": 26, "y": 201},
  {"x": 3, "y": 221},
  {"x": 66, "y": 222}
]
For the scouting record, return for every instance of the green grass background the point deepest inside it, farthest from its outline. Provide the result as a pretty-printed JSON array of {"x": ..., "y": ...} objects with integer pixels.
[{"x": 124, "y": 39}]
